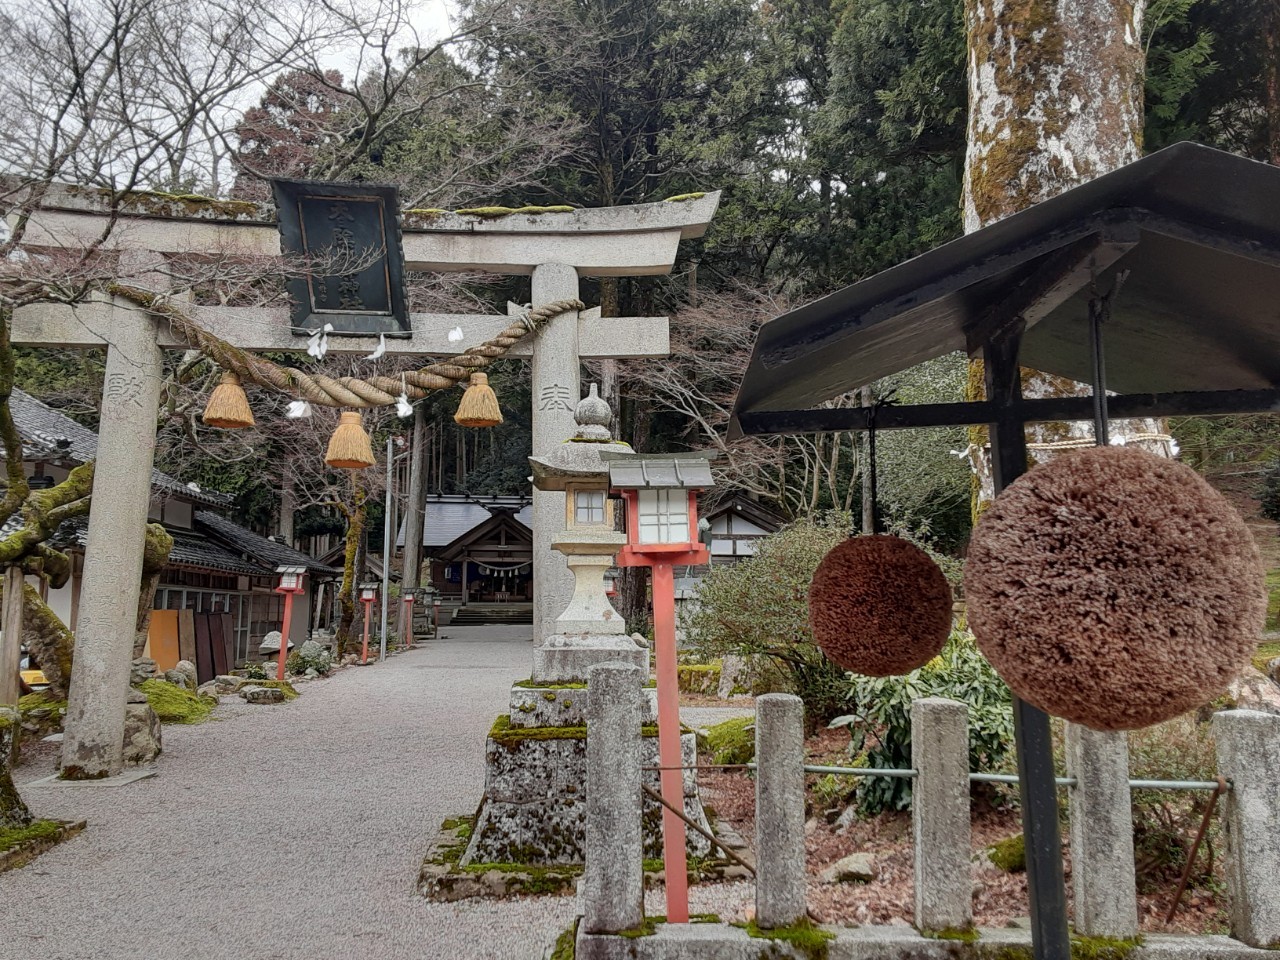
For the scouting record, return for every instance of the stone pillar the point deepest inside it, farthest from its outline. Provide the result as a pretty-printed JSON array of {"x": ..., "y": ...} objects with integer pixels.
[
  {"x": 105, "y": 623},
  {"x": 613, "y": 878},
  {"x": 940, "y": 814},
  {"x": 11, "y": 639},
  {"x": 780, "y": 873},
  {"x": 1102, "y": 871},
  {"x": 557, "y": 386},
  {"x": 1248, "y": 746}
]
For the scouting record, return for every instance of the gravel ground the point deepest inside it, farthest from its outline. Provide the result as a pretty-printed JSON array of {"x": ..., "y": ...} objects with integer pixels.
[{"x": 288, "y": 832}]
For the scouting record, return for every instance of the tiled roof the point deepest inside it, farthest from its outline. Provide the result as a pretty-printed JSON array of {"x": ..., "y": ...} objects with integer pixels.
[
  {"x": 449, "y": 516},
  {"x": 189, "y": 549},
  {"x": 50, "y": 435},
  {"x": 258, "y": 548}
]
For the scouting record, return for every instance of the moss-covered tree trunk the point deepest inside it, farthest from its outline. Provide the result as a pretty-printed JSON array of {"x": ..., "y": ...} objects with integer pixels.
[
  {"x": 1055, "y": 100},
  {"x": 350, "y": 568},
  {"x": 13, "y": 812},
  {"x": 155, "y": 554}
]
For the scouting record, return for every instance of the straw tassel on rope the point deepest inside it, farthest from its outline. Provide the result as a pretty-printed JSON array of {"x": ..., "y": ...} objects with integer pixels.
[
  {"x": 479, "y": 406},
  {"x": 228, "y": 407},
  {"x": 349, "y": 447}
]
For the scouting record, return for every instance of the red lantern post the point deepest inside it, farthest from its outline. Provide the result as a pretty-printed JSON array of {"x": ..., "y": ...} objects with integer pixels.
[
  {"x": 290, "y": 585},
  {"x": 662, "y": 533},
  {"x": 368, "y": 596},
  {"x": 410, "y": 595}
]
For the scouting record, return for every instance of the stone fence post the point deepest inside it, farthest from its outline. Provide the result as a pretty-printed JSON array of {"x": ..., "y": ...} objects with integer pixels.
[
  {"x": 613, "y": 878},
  {"x": 780, "y": 870},
  {"x": 1102, "y": 866},
  {"x": 940, "y": 814},
  {"x": 1248, "y": 746}
]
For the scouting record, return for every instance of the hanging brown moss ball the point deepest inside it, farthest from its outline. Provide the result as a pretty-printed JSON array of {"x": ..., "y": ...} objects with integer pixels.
[
  {"x": 879, "y": 606},
  {"x": 1114, "y": 588}
]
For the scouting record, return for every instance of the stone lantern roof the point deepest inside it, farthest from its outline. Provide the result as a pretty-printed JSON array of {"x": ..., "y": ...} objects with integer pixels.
[{"x": 579, "y": 458}]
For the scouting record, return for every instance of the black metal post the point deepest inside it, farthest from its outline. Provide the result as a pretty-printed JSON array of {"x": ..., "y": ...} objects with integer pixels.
[
  {"x": 1046, "y": 887},
  {"x": 1101, "y": 435}
]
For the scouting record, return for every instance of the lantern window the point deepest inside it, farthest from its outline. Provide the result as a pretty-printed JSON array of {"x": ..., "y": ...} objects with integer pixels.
[
  {"x": 664, "y": 515},
  {"x": 588, "y": 506}
]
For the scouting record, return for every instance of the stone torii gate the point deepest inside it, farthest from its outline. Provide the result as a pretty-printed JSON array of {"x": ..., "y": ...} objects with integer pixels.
[{"x": 555, "y": 249}]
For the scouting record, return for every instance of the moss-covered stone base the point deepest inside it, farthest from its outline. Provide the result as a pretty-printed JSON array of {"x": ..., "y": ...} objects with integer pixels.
[
  {"x": 534, "y": 808},
  {"x": 443, "y": 878},
  {"x": 20, "y": 846}
]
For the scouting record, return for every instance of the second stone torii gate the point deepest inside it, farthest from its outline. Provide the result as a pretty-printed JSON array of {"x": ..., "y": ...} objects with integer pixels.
[{"x": 555, "y": 249}]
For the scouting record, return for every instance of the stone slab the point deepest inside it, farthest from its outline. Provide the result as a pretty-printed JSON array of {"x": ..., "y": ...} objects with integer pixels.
[
  {"x": 720, "y": 941},
  {"x": 566, "y": 706},
  {"x": 119, "y": 780},
  {"x": 534, "y": 806},
  {"x": 569, "y": 658}
]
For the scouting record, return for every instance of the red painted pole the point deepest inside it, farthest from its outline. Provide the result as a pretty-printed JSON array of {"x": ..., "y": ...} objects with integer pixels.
[
  {"x": 674, "y": 862},
  {"x": 284, "y": 633},
  {"x": 364, "y": 653}
]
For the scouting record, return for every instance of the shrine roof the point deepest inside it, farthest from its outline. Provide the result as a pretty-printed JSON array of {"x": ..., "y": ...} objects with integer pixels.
[
  {"x": 450, "y": 516},
  {"x": 50, "y": 435},
  {"x": 1196, "y": 229},
  {"x": 260, "y": 549}
]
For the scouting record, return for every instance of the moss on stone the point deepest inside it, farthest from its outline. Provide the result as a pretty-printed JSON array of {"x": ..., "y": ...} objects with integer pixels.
[
  {"x": 1102, "y": 948},
  {"x": 535, "y": 685},
  {"x": 804, "y": 935},
  {"x": 502, "y": 732},
  {"x": 733, "y": 741},
  {"x": 683, "y": 197},
  {"x": 1266, "y": 652},
  {"x": 1009, "y": 854},
  {"x": 496, "y": 213},
  {"x": 157, "y": 203},
  {"x": 566, "y": 944},
  {"x": 282, "y": 685},
  {"x": 959, "y": 934},
  {"x": 173, "y": 704},
  {"x": 529, "y": 879},
  {"x": 11, "y": 837}
]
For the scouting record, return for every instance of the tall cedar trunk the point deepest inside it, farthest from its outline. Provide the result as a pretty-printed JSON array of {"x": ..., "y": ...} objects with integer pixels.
[
  {"x": 411, "y": 560},
  {"x": 1055, "y": 100},
  {"x": 1272, "y": 38},
  {"x": 350, "y": 567}
]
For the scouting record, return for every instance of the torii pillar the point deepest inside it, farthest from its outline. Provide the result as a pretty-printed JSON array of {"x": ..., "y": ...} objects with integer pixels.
[{"x": 555, "y": 249}]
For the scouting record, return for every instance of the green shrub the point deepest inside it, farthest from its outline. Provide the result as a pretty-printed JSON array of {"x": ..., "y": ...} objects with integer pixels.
[
  {"x": 760, "y": 607},
  {"x": 298, "y": 664},
  {"x": 880, "y": 721},
  {"x": 733, "y": 741},
  {"x": 258, "y": 671}
]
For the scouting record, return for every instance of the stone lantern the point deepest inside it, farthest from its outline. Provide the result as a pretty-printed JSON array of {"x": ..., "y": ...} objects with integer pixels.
[
  {"x": 589, "y": 630},
  {"x": 535, "y": 793}
]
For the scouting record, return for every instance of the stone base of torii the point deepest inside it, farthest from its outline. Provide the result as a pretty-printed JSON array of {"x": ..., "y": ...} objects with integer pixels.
[{"x": 555, "y": 249}]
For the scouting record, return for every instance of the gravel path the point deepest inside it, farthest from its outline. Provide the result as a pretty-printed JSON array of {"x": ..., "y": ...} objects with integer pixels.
[{"x": 288, "y": 832}]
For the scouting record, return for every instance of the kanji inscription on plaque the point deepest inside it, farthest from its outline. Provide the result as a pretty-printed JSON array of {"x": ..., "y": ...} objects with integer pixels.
[{"x": 350, "y": 235}]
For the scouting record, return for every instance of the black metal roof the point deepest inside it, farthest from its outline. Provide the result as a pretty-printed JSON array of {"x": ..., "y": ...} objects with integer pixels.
[
  {"x": 50, "y": 435},
  {"x": 258, "y": 548},
  {"x": 1198, "y": 229}
]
